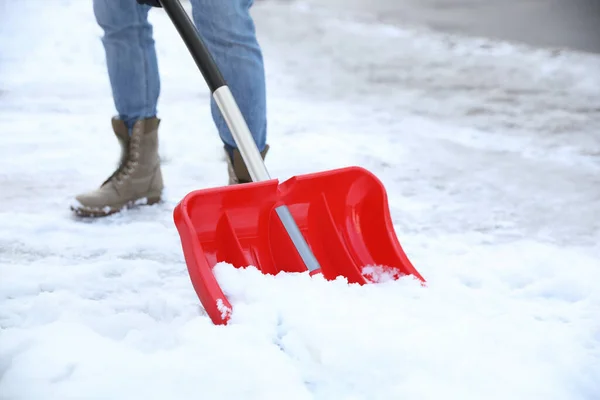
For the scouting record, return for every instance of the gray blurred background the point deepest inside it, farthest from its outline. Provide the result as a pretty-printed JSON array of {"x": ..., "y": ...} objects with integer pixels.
[{"x": 573, "y": 24}]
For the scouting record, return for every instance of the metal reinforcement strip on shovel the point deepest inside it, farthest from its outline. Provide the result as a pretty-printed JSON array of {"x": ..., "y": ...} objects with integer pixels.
[{"x": 235, "y": 120}]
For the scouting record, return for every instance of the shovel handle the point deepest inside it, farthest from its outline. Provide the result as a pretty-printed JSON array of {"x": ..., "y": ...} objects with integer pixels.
[
  {"x": 235, "y": 120},
  {"x": 219, "y": 89}
]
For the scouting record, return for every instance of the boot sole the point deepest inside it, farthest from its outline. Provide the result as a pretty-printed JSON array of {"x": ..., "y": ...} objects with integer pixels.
[{"x": 106, "y": 211}]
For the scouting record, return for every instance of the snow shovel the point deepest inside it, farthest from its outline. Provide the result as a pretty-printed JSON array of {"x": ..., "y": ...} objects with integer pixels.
[{"x": 334, "y": 223}]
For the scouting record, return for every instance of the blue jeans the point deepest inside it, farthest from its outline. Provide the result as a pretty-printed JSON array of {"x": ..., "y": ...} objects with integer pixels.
[{"x": 229, "y": 34}]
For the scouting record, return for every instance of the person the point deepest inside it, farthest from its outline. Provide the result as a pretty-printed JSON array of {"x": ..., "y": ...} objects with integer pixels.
[{"x": 229, "y": 32}]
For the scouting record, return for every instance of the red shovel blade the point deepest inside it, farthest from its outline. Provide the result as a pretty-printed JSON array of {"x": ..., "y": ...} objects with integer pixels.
[{"x": 343, "y": 215}]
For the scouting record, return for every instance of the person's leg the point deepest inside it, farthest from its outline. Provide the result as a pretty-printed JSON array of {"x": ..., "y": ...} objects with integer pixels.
[
  {"x": 133, "y": 75},
  {"x": 229, "y": 33},
  {"x": 130, "y": 57}
]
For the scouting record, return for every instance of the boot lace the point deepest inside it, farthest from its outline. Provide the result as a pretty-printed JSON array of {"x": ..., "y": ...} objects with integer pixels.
[{"x": 131, "y": 159}]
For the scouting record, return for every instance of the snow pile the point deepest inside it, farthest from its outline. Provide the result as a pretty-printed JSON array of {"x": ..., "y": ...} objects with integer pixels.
[
  {"x": 511, "y": 328},
  {"x": 380, "y": 273}
]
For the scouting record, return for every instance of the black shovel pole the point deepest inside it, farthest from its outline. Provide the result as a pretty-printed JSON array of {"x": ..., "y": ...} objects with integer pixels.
[{"x": 234, "y": 119}]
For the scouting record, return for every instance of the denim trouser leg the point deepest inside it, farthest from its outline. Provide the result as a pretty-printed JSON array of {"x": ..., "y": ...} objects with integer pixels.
[
  {"x": 229, "y": 33},
  {"x": 130, "y": 57}
]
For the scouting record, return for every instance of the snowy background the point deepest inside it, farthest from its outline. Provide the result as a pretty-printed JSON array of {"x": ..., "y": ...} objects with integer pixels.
[{"x": 490, "y": 153}]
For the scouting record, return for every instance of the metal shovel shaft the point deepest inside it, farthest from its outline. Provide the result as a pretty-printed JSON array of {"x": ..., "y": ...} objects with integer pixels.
[{"x": 234, "y": 119}]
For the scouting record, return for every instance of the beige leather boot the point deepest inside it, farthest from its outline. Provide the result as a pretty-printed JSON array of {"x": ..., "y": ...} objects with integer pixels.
[
  {"x": 236, "y": 168},
  {"x": 137, "y": 180}
]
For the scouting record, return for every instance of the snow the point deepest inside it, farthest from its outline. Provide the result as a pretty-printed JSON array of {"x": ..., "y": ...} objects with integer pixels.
[{"x": 489, "y": 152}]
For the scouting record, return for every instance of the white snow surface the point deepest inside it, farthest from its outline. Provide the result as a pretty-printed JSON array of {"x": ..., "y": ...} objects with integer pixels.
[{"x": 490, "y": 155}]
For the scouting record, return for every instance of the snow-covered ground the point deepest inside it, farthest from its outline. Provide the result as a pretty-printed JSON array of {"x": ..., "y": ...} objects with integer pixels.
[{"x": 491, "y": 157}]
